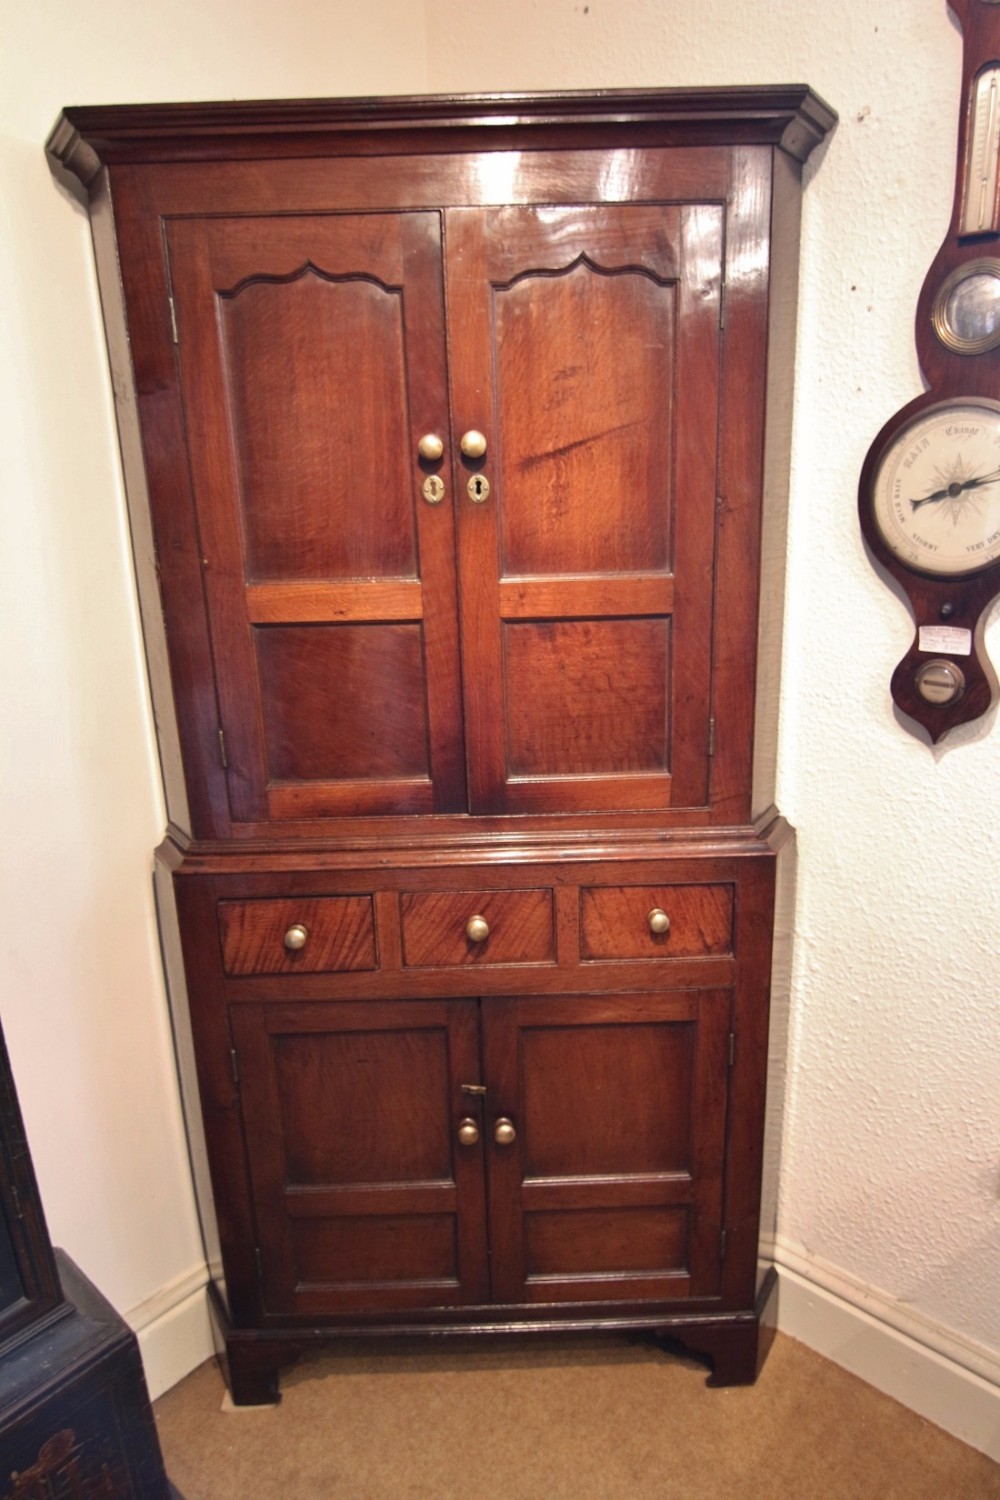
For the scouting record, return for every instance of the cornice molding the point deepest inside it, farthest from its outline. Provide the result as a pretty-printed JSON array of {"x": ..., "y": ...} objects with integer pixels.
[{"x": 85, "y": 138}]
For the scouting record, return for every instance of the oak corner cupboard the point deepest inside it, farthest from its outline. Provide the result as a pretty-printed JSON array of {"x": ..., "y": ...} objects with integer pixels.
[{"x": 455, "y": 435}]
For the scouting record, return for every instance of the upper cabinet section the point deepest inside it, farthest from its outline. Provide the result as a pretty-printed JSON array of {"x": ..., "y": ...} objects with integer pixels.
[{"x": 445, "y": 428}]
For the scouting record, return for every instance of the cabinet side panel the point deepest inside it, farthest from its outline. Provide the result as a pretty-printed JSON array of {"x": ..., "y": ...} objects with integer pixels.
[
  {"x": 187, "y": 1068},
  {"x": 778, "y": 1043},
  {"x": 740, "y": 479},
  {"x": 134, "y": 470},
  {"x": 783, "y": 311},
  {"x": 163, "y": 503}
]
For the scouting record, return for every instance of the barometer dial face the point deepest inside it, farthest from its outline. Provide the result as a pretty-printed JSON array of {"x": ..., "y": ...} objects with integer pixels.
[{"x": 936, "y": 492}]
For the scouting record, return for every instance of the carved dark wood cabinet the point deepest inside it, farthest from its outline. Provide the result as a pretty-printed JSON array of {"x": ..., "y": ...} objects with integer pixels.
[{"x": 455, "y": 436}]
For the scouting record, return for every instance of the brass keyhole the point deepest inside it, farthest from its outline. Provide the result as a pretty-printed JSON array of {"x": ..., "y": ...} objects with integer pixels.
[
  {"x": 433, "y": 489},
  {"x": 479, "y": 489}
]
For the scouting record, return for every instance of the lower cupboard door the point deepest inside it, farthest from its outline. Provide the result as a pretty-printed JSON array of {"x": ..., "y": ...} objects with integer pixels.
[
  {"x": 365, "y": 1201},
  {"x": 611, "y": 1187}
]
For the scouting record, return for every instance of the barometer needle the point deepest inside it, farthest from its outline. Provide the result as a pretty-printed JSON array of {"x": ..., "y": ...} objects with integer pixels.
[{"x": 957, "y": 488}]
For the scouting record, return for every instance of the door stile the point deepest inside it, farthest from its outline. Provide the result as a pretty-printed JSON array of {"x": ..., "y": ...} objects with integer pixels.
[
  {"x": 696, "y": 427},
  {"x": 219, "y": 534},
  {"x": 437, "y": 563},
  {"x": 471, "y": 378}
]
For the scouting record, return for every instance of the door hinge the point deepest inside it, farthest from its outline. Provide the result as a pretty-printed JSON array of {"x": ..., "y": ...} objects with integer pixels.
[
  {"x": 17, "y": 1200},
  {"x": 732, "y": 1048},
  {"x": 722, "y": 1246},
  {"x": 234, "y": 1064},
  {"x": 173, "y": 319},
  {"x": 722, "y": 305},
  {"x": 711, "y": 737},
  {"x": 260, "y": 1262},
  {"x": 222, "y": 749}
]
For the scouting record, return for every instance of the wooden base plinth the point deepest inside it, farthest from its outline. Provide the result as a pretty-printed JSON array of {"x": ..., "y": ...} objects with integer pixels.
[{"x": 736, "y": 1343}]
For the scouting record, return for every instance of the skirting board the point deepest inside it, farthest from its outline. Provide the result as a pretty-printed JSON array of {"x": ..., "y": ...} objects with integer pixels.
[
  {"x": 174, "y": 1330},
  {"x": 951, "y": 1381}
]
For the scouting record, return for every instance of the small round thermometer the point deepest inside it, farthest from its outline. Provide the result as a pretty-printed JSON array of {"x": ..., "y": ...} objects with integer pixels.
[{"x": 936, "y": 492}]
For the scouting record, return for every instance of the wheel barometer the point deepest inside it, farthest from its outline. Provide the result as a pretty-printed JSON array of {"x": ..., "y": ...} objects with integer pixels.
[{"x": 929, "y": 496}]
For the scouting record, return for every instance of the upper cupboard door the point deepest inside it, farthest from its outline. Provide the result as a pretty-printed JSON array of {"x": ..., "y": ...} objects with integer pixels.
[
  {"x": 584, "y": 346},
  {"x": 311, "y": 352}
]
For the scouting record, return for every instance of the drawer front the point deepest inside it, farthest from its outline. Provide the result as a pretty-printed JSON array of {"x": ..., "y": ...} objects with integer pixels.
[
  {"x": 618, "y": 921},
  {"x": 303, "y": 935},
  {"x": 445, "y": 928}
]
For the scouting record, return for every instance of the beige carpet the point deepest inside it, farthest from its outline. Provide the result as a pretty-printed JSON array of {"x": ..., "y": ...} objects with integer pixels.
[{"x": 573, "y": 1420}]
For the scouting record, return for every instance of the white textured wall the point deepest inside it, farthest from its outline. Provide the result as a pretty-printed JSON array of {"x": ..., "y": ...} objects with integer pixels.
[
  {"x": 81, "y": 992},
  {"x": 892, "y": 1150},
  {"x": 891, "y": 1168}
]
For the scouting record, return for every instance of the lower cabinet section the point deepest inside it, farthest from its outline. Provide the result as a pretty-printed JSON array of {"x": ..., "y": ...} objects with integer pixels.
[
  {"x": 535, "y": 1149},
  {"x": 478, "y": 1096}
]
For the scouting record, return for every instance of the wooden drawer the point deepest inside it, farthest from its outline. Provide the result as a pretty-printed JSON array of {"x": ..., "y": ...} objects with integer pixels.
[
  {"x": 339, "y": 935},
  {"x": 436, "y": 928},
  {"x": 615, "y": 921}
]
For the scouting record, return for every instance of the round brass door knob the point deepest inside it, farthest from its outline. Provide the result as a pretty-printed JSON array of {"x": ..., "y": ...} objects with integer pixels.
[
  {"x": 430, "y": 447},
  {"x": 468, "y": 1131},
  {"x": 477, "y": 929},
  {"x": 503, "y": 1132},
  {"x": 658, "y": 920},
  {"x": 295, "y": 937},
  {"x": 473, "y": 443}
]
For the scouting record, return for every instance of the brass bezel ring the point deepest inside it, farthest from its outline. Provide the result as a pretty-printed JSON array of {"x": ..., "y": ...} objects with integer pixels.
[{"x": 985, "y": 265}]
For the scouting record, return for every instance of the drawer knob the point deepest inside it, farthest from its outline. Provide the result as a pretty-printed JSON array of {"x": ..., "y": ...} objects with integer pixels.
[
  {"x": 295, "y": 937},
  {"x": 473, "y": 443},
  {"x": 503, "y": 1132},
  {"x": 477, "y": 929},
  {"x": 468, "y": 1131},
  {"x": 658, "y": 920},
  {"x": 430, "y": 447}
]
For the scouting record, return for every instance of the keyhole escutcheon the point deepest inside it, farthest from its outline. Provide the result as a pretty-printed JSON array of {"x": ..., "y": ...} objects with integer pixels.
[{"x": 478, "y": 488}]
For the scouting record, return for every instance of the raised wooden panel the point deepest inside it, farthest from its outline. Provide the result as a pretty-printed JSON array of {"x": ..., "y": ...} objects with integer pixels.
[
  {"x": 587, "y": 697},
  {"x": 614, "y": 921},
  {"x": 521, "y": 928},
  {"x": 322, "y": 456},
  {"x": 343, "y": 701},
  {"x": 377, "y": 1252},
  {"x": 351, "y": 1113},
  {"x": 590, "y": 1243},
  {"x": 340, "y": 935},
  {"x": 584, "y": 383},
  {"x": 607, "y": 1099},
  {"x": 619, "y": 1104}
]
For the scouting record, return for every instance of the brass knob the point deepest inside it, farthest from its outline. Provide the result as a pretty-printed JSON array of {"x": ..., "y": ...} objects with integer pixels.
[
  {"x": 503, "y": 1132},
  {"x": 430, "y": 447},
  {"x": 295, "y": 937},
  {"x": 477, "y": 929},
  {"x": 468, "y": 1131},
  {"x": 658, "y": 920},
  {"x": 473, "y": 443}
]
